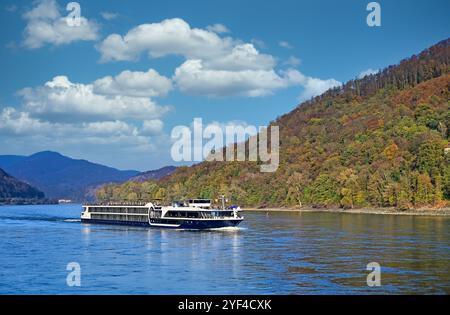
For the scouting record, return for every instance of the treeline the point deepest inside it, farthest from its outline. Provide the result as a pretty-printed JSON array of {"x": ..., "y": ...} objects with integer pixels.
[
  {"x": 429, "y": 64},
  {"x": 379, "y": 141}
]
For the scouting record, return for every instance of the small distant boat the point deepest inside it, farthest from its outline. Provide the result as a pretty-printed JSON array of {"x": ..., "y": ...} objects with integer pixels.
[{"x": 194, "y": 214}]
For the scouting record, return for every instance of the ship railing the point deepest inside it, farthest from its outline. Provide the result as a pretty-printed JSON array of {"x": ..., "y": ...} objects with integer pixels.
[
  {"x": 117, "y": 203},
  {"x": 204, "y": 215}
]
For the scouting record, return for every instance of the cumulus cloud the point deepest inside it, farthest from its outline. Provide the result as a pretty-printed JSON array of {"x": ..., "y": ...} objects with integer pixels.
[
  {"x": 292, "y": 61},
  {"x": 242, "y": 57},
  {"x": 46, "y": 25},
  {"x": 315, "y": 86},
  {"x": 61, "y": 112},
  {"x": 71, "y": 117},
  {"x": 20, "y": 123},
  {"x": 258, "y": 43},
  {"x": 169, "y": 37},
  {"x": 176, "y": 37},
  {"x": 214, "y": 65},
  {"x": 218, "y": 28},
  {"x": 102, "y": 140},
  {"x": 152, "y": 127},
  {"x": 109, "y": 128},
  {"x": 62, "y": 99},
  {"x": 23, "y": 123},
  {"x": 311, "y": 86},
  {"x": 137, "y": 83},
  {"x": 193, "y": 78}
]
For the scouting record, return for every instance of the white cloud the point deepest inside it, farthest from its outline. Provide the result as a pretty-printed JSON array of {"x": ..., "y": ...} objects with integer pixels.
[
  {"x": 214, "y": 65},
  {"x": 242, "y": 57},
  {"x": 258, "y": 43},
  {"x": 285, "y": 44},
  {"x": 62, "y": 115},
  {"x": 109, "y": 15},
  {"x": 71, "y": 117},
  {"x": 367, "y": 72},
  {"x": 176, "y": 37},
  {"x": 218, "y": 28},
  {"x": 311, "y": 86},
  {"x": 292, "y": 61},
  {"x": 169, "y": 37},
  {"x": 314, "y": 87},
  {"x": 115, "y": 127},
  {"x": 60, "y": 99},
  {"x": 99, "y": 140},
  {"x": 138, "y": 84},
  {"x": 46, "y": 25},
  {"x": 191, "y": 77},
  {"x": 152, "y": 127},
  {"x": 20, "y": 123}
]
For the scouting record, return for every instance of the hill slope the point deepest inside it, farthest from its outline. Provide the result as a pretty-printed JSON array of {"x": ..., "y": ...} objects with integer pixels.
[
  {"x": 59, "y": 176},
  {"x": 154, "y": 174},
  {"x": 13, "y": 188},
  {"x": 376, "y": 141}
]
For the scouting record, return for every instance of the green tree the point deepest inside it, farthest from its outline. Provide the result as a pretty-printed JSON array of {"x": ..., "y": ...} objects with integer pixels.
[
  {"x": 426, "y": 116},
  {"x": 323, "y": 191},
  {"x": 424, "y": 191},
  {"x": 446, "y": 183},
  {"x": 430, "y": 157},
  {"x": 295, "y": 186}
]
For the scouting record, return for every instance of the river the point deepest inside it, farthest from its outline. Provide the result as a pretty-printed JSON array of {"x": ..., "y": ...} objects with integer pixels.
[{"x": 275, "y": 253}]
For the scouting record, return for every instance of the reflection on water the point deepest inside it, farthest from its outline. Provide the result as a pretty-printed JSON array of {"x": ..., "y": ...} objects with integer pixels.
[{"x": 289, "y": 253}]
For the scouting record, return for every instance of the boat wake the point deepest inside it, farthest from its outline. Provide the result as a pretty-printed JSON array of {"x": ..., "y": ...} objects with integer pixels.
[
  {"x": 227, "y": 228},
  {"x": 39, "y": 218},
  {"x": 221, "y": 229},
  {"x": 72, "y": 220}
]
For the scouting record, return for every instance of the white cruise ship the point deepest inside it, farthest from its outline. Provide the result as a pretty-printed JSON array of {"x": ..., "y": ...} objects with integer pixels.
[{"x": 190, "y": 214}]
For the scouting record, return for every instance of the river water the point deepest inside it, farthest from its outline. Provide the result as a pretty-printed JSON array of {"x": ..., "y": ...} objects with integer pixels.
[{"x": 276, "y": 253}]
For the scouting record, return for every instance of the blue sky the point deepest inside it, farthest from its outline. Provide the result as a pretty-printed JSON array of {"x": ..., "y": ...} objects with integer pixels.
[{"x": 96, "y": 93}]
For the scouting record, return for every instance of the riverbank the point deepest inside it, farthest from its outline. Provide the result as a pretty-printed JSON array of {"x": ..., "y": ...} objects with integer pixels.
[
  {"x": 26, "y": 202},
  {"x": 389, "y": 211}
]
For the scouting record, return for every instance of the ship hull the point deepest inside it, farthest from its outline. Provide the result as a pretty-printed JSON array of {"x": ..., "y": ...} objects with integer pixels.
[{"x": 188, "y": 225}]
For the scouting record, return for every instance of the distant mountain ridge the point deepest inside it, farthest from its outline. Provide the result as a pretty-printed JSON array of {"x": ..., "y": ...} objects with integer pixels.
[
  {"x": 59, "y": 176},
  {"x": 154, "y": 174},
  {"x": 11, "y": 188},
  {"x": 62, "y": 177}
]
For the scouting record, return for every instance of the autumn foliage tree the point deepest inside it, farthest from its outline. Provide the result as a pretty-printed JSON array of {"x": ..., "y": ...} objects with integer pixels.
[{"x": 376, "y": 141}]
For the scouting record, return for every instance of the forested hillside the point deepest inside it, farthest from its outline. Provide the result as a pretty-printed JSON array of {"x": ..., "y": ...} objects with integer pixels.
[
  {"x": 377, "y": 141},
  {"x": 11, "y": 188},
  {"x": 153, "y": 174}
]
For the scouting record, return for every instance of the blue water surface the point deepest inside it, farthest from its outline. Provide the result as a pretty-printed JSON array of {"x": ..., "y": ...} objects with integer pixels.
[{"x": 276, "y": 253}]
